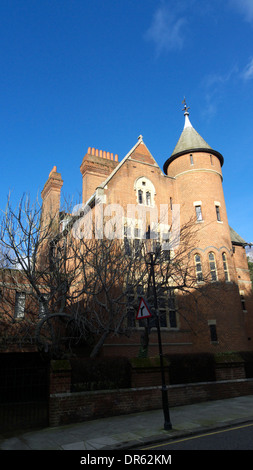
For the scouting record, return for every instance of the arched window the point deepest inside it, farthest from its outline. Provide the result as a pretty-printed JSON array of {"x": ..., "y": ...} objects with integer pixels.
[
  {"x": 198, "y": 267},
  {"x": 212, "y": 264},
  {"x": 145, "y": 191},
  {"x": 225, "y": 266}
]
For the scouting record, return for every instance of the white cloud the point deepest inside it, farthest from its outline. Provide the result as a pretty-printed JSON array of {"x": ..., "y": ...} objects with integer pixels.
[
  {"x": 245, "y": 7},
  {"x": 166, "y": 30},
  {"x": 214, "y": 86},
  {"x": 247, "y": 73}
]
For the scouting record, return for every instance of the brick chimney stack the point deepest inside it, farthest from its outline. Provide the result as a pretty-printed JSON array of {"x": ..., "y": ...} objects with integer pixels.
[
  {"x": 96, "y": 166},
  {"x": 51, "y": 196}
]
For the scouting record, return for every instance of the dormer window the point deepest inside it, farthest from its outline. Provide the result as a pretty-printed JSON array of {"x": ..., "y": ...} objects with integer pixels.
[{"x": 145, "y": 191}]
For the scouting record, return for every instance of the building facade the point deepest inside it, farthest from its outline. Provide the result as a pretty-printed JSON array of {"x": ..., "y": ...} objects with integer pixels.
[{"x": 191, "y": 180}]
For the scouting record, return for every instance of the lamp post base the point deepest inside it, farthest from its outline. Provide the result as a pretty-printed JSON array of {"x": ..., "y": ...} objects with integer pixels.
[
  {"x": 167, "y": 426},
  {"x": 167, "y": 423}
]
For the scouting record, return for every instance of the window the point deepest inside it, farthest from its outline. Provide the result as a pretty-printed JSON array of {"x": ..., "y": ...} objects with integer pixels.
[
  {"x": 225, "y": 266},
  {"x": 127, "y": 246},
  {"x": 166, "y": 255},
  {"x": 140, "y": 196},
  {"x": 211, "y": 159},
  {"x": 137, "y": 247},
  {"x": 243, "y": 300},
  {"x": 213, "y": 333},
  {"x": 43, "y": 305},
  {"x": 19, "y": 305},
  {"x": 171, "y": 203},
  {"x": 145, "y": 191},
  {"x": 173, "y": 319},
  {"x": 132, "y": 243},
  {"x": 191, "y": 160},
  {"x": 218, "y": 213},
  {"x": 167, "y": 308},
  {"x": 162, "y": 308},
  {"x": 198, "y": 267},
  {"x": 148, "y": 198},
  {"x": 172, "y": 309},
  {"x": 212, "y": 265},
  {"x": 198, "y": 213}
]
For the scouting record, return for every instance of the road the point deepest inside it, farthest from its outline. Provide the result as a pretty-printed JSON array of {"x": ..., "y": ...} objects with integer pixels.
[{"x": 235, "y": 438}]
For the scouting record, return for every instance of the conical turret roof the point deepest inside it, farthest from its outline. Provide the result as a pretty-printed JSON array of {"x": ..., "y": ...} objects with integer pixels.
[{"x": 190, "y": 141}]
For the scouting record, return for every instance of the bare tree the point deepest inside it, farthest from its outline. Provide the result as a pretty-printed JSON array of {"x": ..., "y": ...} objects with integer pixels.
[
  {"x": 34, "y": 279},
  {"x": 84, "y": 289}
]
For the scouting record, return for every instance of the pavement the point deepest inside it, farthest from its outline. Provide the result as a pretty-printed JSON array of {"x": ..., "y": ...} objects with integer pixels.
[{"x": 135, "y": 431}]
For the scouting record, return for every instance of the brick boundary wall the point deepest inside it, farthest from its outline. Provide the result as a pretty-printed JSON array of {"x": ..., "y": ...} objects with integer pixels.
[{"x": 67, "y": 408}]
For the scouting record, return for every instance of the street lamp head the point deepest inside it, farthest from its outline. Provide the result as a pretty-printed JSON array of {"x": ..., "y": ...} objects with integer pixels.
[{"x": 151, "y": 248}]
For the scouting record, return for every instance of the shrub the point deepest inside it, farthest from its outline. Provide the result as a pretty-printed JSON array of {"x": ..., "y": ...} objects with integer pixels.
[
  {"x": 191, "y": 368},
  {"x": 100, "y": 374},
  {"x": 247, "y": 356}
]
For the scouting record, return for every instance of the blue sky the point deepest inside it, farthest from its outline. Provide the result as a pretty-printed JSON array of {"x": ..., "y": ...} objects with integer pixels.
[{"x": 98, "y": 73}]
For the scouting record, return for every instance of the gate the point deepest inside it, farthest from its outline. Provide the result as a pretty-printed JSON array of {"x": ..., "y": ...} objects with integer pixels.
[{"x": 23, "y": 392}]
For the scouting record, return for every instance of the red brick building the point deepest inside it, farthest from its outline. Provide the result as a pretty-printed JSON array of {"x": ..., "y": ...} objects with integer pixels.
[{"x": 191, "y": 178}]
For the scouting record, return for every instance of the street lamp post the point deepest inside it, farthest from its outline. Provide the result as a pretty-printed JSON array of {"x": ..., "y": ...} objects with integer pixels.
[{"x": 167, "y": 422}]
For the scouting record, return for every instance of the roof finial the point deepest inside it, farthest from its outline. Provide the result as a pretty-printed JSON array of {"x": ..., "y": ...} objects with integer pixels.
[
  {"x": 185, "y": 107},
  {"x": 186, "y": 113}
]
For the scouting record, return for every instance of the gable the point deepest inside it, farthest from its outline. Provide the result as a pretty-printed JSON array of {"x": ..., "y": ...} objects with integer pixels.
[
  {"x": 143, "y": 155},
  {"x": 138, "y": 153}
]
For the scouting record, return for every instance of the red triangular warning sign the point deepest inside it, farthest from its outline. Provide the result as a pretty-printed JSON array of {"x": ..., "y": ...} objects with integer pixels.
[{"x": 143, "y": 310}]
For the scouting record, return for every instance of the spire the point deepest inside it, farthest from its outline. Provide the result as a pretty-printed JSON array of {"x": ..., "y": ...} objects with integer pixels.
[
  {"x": 187, "y": 122},
  {"x": 190, "y": 141}
]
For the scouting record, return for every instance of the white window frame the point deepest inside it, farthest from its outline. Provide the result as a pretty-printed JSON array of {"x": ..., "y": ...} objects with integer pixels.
[
  {"x": 147, "y": 188},
  {"x": 198, "y": 204}
]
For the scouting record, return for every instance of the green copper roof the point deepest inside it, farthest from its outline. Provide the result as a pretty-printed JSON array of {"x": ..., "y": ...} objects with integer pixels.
[{"x": 190, "y": 141}]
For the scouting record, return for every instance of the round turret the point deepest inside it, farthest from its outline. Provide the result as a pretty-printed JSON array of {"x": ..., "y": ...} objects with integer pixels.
[
  {"x": 196, "y": 168},
  {"x": 190, "y": 142}
]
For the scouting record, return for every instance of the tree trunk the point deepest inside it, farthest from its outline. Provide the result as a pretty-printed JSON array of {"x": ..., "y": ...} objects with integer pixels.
[{"x": 99, "y": 345}]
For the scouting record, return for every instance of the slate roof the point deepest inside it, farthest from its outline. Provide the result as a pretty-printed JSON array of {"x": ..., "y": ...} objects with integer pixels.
[
  {"x": 235, "y": 238},
  {"x": 190, "y": 141}
]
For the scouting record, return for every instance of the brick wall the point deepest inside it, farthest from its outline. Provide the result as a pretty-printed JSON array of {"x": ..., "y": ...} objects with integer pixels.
[
  {"x": 60, "y": 377},
  {"x": 66, "y": 408}
]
